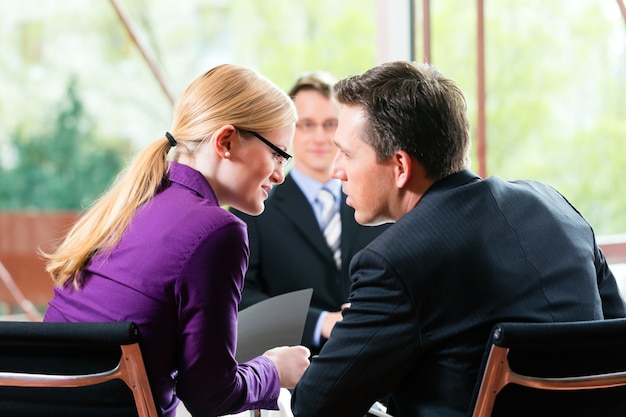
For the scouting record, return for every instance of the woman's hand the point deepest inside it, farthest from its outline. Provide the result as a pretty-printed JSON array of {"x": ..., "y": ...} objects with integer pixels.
[{"x": 290, "y": 362}]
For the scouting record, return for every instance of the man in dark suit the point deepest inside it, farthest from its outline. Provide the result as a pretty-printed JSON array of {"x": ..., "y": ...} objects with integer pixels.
[
  {"x": 464, "y": 253},
  {"x": 288, "y": 249}
]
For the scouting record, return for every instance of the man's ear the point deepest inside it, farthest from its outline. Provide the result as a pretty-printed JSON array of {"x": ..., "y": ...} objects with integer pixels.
[
  {"x": 403, "y": 163},
  {"x": 225, "y": 138}
]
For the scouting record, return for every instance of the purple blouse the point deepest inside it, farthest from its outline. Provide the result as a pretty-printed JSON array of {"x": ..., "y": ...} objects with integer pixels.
[{"x": 178, "y": 272}]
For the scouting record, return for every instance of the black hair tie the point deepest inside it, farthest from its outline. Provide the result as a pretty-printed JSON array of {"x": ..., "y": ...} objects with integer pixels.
[{"x": 170, "y": 139}]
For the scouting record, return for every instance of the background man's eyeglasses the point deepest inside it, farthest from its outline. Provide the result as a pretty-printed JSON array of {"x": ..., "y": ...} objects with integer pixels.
[
  {"x": 329, "y": 126},
  {"x": 281, "y": 157}
]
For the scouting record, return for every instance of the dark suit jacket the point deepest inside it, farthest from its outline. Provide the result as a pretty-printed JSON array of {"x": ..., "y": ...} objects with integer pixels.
[
  {"x": 426, "y": 293},
  {"x": 288, "y": 252}
]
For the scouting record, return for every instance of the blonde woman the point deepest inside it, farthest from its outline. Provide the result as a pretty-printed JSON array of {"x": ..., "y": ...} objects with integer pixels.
[{"x": 157, "y": 248}]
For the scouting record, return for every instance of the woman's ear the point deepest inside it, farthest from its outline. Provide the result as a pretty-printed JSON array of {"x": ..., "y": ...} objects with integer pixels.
[{"x": 225, "y": 138}]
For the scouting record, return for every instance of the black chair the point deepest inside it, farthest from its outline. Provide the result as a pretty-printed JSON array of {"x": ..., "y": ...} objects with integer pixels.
[
  {"x": 72, "y": 370},
  {"x": 554, "y": 369}
]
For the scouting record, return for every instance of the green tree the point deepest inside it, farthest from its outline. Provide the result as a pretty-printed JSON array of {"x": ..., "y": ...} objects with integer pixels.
[{"x": 63, "y": 168}]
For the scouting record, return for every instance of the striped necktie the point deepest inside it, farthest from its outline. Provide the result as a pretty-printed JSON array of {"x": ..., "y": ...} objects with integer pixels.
[{"x": 331, "y": 223}]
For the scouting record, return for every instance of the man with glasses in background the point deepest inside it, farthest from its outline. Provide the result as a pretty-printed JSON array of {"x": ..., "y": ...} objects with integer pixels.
[{"x": 307, "y": 234}]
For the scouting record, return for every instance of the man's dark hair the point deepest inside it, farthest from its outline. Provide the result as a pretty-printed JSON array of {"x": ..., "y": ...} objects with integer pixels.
[{"x": 414, "y": 108}]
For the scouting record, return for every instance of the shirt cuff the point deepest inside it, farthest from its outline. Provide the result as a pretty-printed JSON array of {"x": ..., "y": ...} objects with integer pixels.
[{"x": 317, "y": 333}]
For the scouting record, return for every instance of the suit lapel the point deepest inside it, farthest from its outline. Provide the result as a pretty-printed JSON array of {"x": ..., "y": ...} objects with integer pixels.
[{"x": 299, "y": 212}]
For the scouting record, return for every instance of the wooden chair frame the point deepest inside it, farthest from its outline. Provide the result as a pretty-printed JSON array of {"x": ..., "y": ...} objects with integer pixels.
[
  {"x": 498, "y": 373},
  {"x": 130, "y": 369}
]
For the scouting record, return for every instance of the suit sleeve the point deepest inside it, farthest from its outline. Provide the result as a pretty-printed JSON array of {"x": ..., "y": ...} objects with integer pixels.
[
  {"x": 253, "y": 290},
  {"x": 255, "y": 286},
  {"x": 612, "y": 302},
  {"x": 377, "y": 340}
]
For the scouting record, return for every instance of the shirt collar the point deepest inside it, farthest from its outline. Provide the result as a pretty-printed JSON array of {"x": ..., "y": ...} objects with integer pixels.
[
  {"x": 192, "y": 179},
  {"x": 311, "y": 187}
]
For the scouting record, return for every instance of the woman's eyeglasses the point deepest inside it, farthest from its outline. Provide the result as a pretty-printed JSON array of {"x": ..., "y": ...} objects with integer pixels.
[{"x": 281, "y": 157}]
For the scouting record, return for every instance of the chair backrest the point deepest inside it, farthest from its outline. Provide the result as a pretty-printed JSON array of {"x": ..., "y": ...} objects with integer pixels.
[
  {"x": 73, "y": 369},
  {"x": 553, "y": 369}
]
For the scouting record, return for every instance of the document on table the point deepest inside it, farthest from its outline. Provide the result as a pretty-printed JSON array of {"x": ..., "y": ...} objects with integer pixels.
[{"x": 277, "y": 321}]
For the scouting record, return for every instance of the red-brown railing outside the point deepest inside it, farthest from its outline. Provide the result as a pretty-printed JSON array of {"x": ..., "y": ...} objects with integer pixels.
[{"x": 25, "y": 287}]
